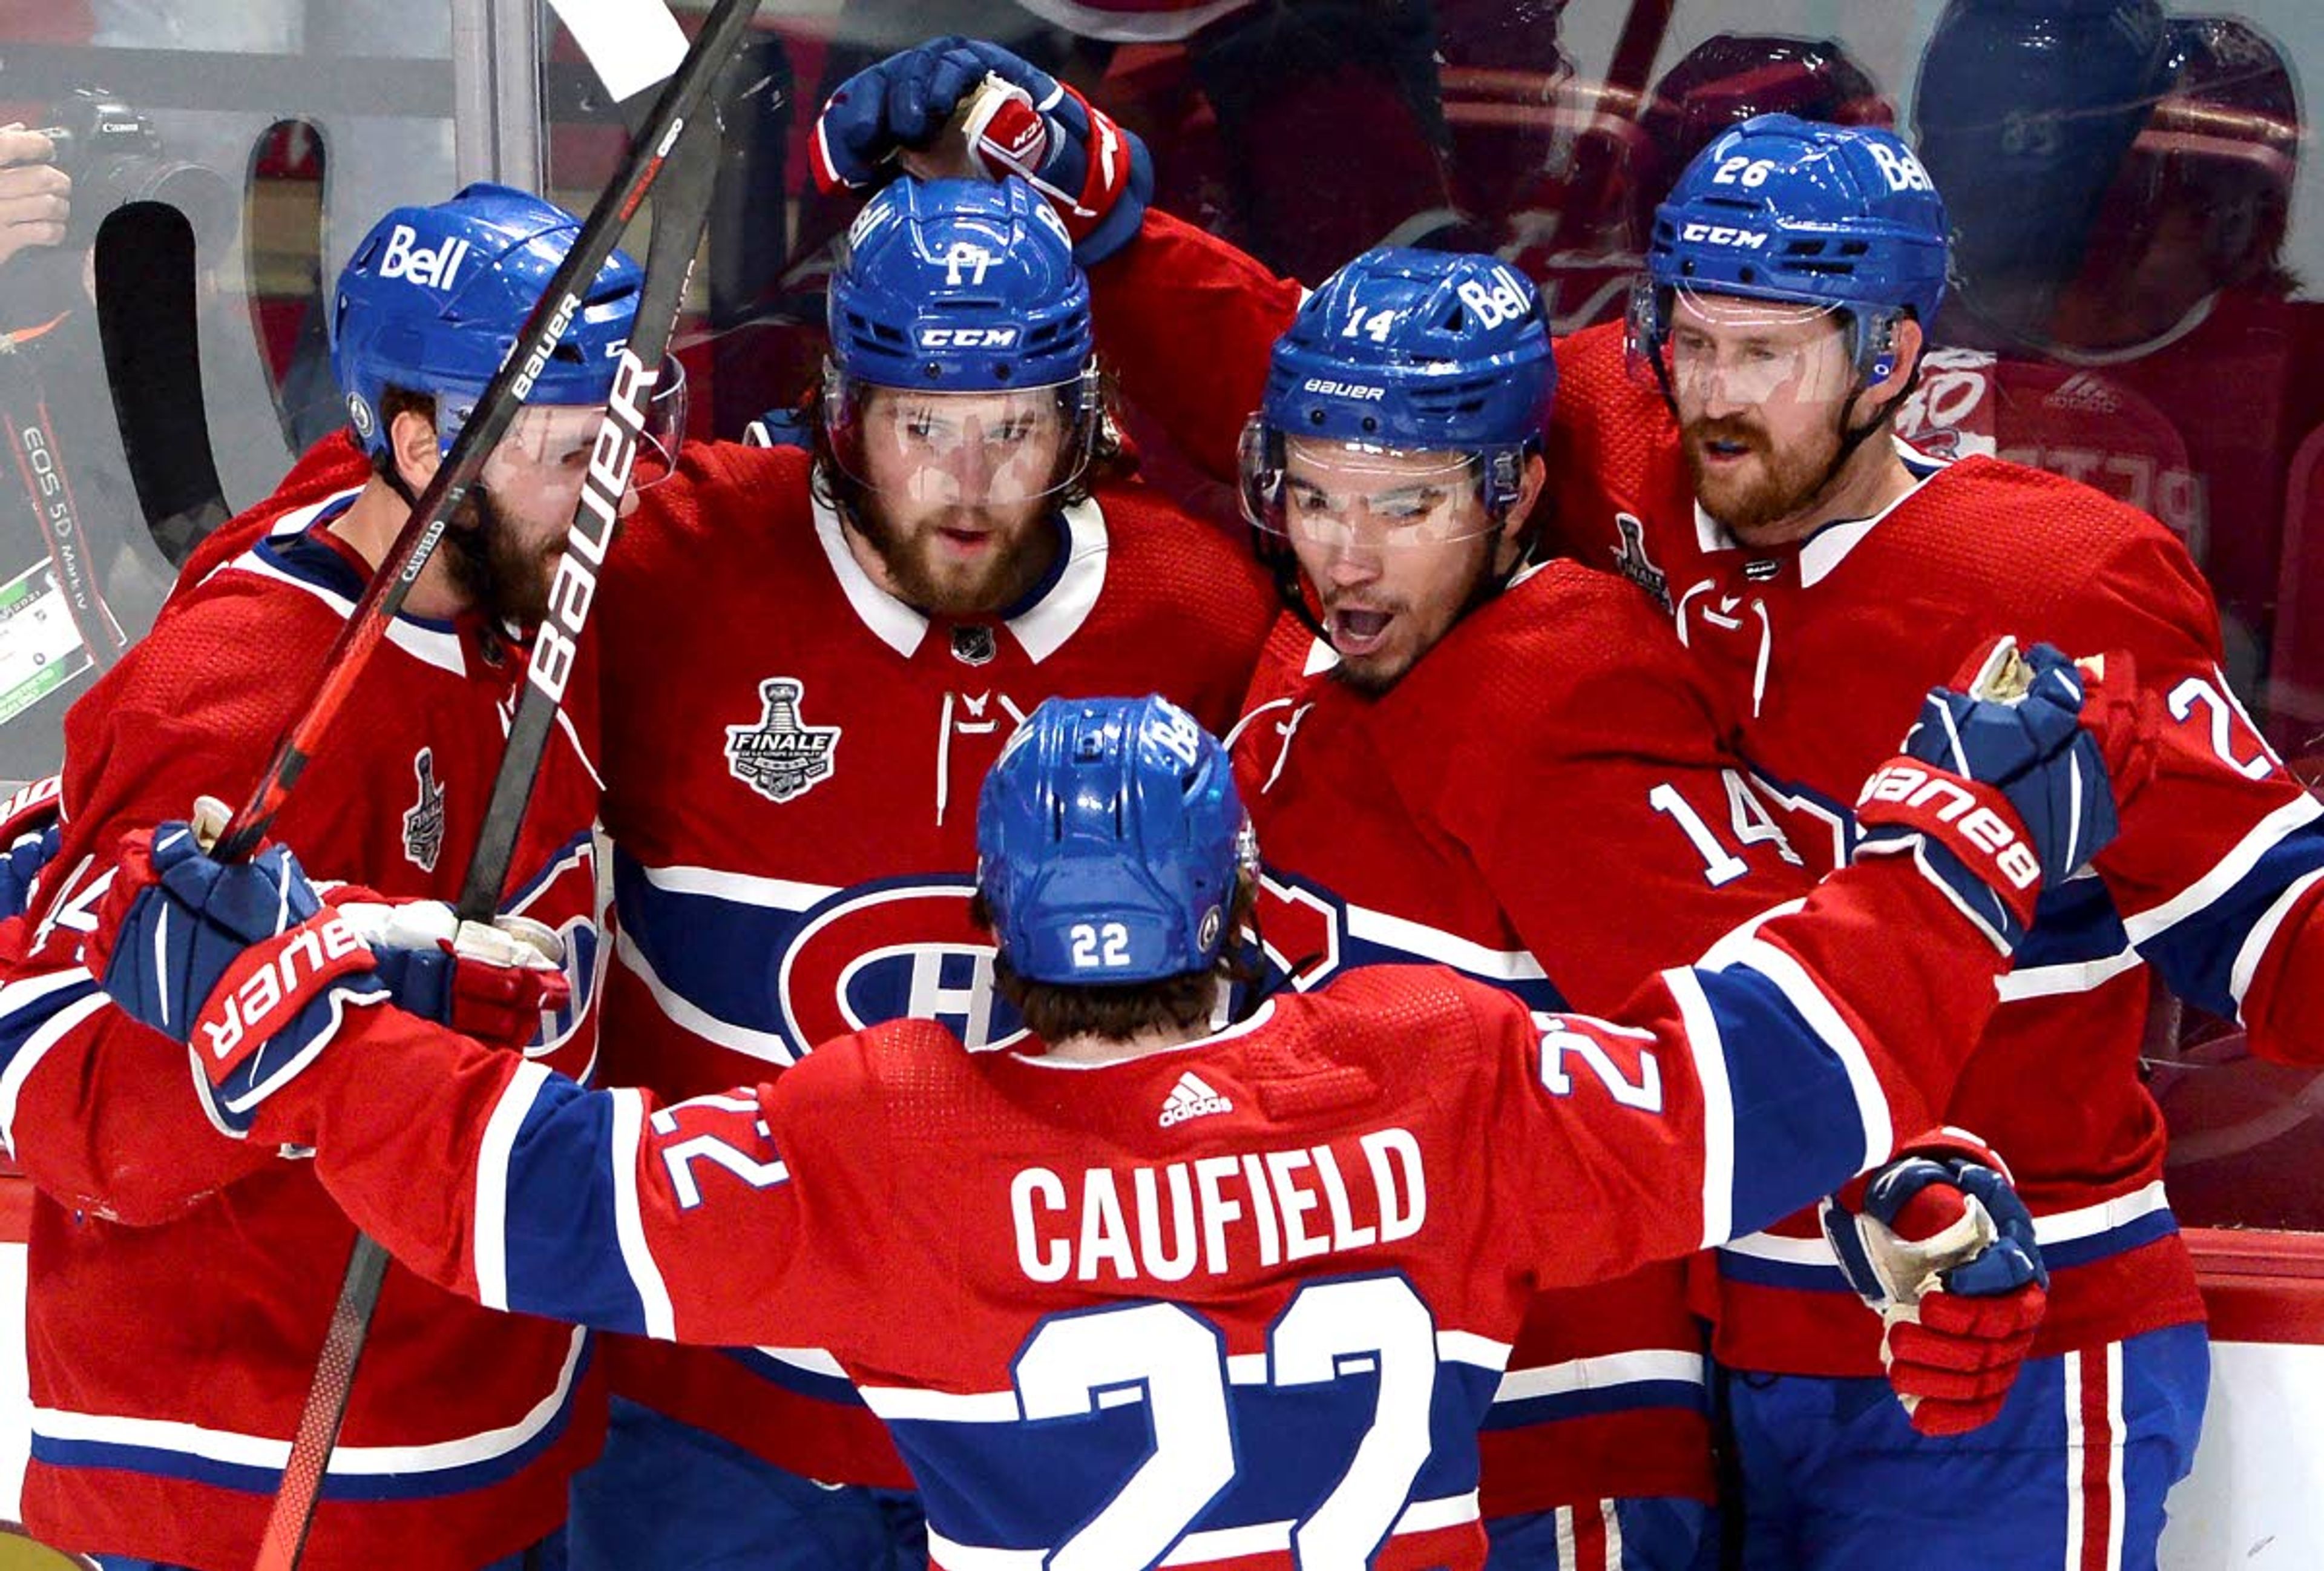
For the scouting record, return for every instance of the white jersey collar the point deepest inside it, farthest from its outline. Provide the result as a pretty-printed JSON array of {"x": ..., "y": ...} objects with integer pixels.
[
  {"x": 1825, "y": 549},
  {"x": 1041, "y": 628}
]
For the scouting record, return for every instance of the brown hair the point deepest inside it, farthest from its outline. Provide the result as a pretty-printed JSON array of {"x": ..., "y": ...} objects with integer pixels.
[
  {"x": 394, "y": 401},
  {"x": 1117, "y": 1012}
]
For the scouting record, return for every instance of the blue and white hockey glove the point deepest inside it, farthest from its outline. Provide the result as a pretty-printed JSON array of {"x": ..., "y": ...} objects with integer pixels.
[
  {"x": 1010, "y": 117},
  {"x": 31, "y": 829},
  {"x": 1999, "y": 788},
  {"x": 781, "y": 427},
  {"x": 243, "y": 963},
  {"x": 1939, "y": 1245}
]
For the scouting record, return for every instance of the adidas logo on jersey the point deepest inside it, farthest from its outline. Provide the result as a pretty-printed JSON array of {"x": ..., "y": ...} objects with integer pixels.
[
  {"x": 1189, "y": 1098},
  {"x": 2087, "y": 394}
]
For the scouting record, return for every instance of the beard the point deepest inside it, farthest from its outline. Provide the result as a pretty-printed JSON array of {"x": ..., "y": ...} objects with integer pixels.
[
  {"x": 923, "y": 577},
  {"x": 498, "y": 574},
  {"x": 1781, "y": 484}
]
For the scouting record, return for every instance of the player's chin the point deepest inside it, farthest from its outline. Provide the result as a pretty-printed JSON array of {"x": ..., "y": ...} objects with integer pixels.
[{"x": 1375, "y": 672}]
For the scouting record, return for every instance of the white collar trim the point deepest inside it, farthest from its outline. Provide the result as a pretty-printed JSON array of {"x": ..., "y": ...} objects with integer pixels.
[
  {"x": 1827, "y": 548},
  {"x": 893, "y": 623},
  {"x": 1042, "y": 628}
]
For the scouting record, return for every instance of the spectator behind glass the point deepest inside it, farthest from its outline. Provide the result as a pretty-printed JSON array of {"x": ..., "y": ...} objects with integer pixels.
[
  {"x": 2125, "y": 181},
  {"x": 1561, "y": 175}
]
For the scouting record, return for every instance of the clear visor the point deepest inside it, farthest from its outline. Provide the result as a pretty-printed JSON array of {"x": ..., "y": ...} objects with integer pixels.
[
  {"x": 1730, "y": 351},
  {"x": 963, "y": 449},
  {"x": 1331, "y": 494},
  {"x": 548, "y": 440}
]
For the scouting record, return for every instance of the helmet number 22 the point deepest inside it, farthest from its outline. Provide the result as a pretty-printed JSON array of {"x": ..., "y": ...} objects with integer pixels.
[{"x": 1099, "y": 944}]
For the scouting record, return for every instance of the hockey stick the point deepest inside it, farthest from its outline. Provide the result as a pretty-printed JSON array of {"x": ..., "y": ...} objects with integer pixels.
[
  {"x": 368, "y": 623},
  {"x": 146, "y": 322},
  {"x": 690, "y": 154}
]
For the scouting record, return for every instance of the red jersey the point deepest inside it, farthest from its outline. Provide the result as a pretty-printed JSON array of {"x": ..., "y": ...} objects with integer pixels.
[
  {"x": 162, "y": 1418},
  {"x": 1534, "y": 804},
  {"x": 1102, "y": 1333},
  {"x": 2084, "y": 424},
  {"x": 793, "y": 761},
  {"x": 1818, "y": 646}
]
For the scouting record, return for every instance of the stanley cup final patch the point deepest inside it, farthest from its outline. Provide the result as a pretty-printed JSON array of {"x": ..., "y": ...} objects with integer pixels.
[
  {"x": 780, "y": 756},
  {"x": 423, "y": 821}
]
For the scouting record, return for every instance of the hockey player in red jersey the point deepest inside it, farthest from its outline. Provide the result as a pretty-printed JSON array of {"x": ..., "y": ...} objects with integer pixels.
[
  {"x": 811, "y": 660},
  {"x": 1751, "y": 474},
  {"x": 1407, "y": 736},
  {"x": 1144, "y": 1289},
  {"x": 2210, "y": 884},
  {"x": 162, "y": 1416}
]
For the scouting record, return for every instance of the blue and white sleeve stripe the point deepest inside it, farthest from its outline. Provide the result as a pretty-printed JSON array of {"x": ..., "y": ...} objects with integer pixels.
[
  {"x": 2208, "y": 940},
  {"x": 557, "y": 1219},
  {"x": 35, "y": 1014},
  {"x": 1791, "y": 1107}
]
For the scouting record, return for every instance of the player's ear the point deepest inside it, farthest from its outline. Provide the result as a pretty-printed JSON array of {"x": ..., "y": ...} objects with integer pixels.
[
  {"x": 412, "y": 438},
  {"x": 1906, "y": 338},
  {"x": 1517, "y": 525}
]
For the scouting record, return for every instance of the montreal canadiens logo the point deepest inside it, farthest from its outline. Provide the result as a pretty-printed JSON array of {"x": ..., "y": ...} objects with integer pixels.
[{"x": 902, "y": 948}]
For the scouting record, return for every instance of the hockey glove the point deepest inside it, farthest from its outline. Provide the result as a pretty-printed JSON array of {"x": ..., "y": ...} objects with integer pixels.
[
  {"x": 1939, "y": 1245},
  {"x": 1998, "y": 790},
  {"x": 1014, "y": 119},
  {"x": 493, "y": 981},
  {"x": 31, "y": 829},
  {"x": 781, "y": 427},
  {"x": 243, "y": 963}
]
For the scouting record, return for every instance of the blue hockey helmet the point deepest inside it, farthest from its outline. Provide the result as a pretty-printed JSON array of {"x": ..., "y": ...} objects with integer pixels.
[
  {"x": 434, "y": 298},
  {"x": 1109, "y": 840},
  {"x": 1826, "y": 217},
  {"x": 1406, "y": 352},
  {"x": 2025, "y": 110},
  {"x": 960, "y": 286}
]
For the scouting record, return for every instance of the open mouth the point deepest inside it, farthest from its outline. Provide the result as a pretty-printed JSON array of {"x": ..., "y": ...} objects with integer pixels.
[{"x": 1358, "y": 630}]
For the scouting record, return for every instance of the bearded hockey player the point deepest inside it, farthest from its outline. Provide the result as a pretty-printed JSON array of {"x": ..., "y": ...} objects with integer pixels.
[
  {"x": 1752, "y": 487},
  {"x": 163, "y": 1415},
  {"x": 812, "y": 657},
  {"x": 1299, "y": 1245},
  {"x": 1404, "y": 766},
  {"x": 1752, "y": 473}
]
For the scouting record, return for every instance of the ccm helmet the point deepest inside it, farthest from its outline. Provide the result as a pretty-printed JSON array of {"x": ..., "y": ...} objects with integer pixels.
[
  {"x": 1781, "y": 209},
  {"x": 960, "y": 286}
]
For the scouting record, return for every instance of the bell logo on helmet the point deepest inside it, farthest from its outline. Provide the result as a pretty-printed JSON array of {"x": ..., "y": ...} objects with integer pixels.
[
  {"x": 1902, "y": 170},
  {"x": 1721, "y": 234},
  {"x": 1503, "y": 302},
  {"x": 359, "y": 415},
  {"x": 435, "y": 267},
  {"x": 968, "y": 338}
]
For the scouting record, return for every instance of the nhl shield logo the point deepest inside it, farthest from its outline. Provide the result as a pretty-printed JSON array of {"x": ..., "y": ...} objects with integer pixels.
[
  {"x": 779, "y": 757},
  {"x": 423, "y": 822}
]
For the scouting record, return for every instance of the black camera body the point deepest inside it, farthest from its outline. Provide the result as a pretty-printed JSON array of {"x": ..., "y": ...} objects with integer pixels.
[{"x": 115, "y": 156}]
